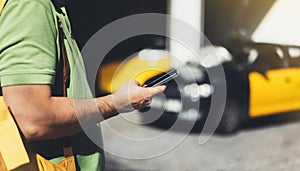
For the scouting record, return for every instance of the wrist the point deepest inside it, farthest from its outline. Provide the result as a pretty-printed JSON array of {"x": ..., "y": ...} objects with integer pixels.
[{"x": 106, "y": 106}]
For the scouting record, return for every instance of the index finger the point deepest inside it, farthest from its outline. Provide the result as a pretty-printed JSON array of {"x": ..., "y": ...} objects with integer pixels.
[{"x": 157, "y": 89}]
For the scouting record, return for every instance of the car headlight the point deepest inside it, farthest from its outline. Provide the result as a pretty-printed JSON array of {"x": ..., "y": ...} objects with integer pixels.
[{"x": 196, "y": 91}]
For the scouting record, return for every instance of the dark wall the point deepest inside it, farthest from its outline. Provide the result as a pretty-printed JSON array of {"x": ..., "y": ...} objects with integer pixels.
[{"x": 89, "y": 16}]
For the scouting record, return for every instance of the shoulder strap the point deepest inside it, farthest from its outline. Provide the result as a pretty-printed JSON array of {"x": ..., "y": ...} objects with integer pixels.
[
  {"x": 65, "y": 63},
  {"x": 63, "y": 54}
]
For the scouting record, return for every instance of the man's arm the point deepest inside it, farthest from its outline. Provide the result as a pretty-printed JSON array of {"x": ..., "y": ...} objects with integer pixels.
[{"x": 41, "y": 116}]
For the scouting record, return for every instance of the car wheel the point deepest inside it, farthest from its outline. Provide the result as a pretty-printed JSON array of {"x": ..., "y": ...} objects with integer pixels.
[{"x": 231, "y": 119}]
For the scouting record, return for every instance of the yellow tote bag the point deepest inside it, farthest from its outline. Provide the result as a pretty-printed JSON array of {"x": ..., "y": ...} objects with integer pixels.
[
  {"x": 13, "y": 155},
  {"x": 11, "y": 145}
]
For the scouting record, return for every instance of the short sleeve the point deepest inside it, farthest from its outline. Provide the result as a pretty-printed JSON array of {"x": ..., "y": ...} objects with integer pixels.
[{"x": 28, "y": 37}]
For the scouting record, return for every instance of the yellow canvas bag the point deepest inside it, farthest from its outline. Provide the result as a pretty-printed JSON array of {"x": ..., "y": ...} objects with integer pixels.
[{"x": 14, "y": 155}]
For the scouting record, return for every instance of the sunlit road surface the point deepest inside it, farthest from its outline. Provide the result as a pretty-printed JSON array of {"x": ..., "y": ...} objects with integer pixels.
[{"x": 266, "y": 144}]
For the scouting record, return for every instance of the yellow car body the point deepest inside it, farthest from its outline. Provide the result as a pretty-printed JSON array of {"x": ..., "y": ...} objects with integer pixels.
[
  {"x": 278, "y": 92},
  {"x": 113, "y": 75}
]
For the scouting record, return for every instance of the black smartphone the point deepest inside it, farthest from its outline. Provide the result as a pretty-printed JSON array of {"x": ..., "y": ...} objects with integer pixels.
[{"x": 164, "y": 78}]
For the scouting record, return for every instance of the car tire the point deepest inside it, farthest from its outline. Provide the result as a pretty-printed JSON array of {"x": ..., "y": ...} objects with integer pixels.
[{"x": 231, "y": 119}]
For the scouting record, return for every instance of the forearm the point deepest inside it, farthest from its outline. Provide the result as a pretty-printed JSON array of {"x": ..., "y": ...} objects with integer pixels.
[
  {"x": 61, "y": 116},
  {"x": 44, "y": 117}
]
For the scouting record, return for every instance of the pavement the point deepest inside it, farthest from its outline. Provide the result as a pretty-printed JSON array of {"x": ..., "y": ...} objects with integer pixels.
[{"x": 268, "y": 144}]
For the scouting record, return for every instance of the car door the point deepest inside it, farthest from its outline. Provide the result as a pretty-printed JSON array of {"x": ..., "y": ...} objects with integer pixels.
[{"x": 268, "y": 82}]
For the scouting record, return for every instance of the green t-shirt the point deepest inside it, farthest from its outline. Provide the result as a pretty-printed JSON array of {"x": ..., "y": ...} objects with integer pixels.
[{"x": 29, "y": 53}]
